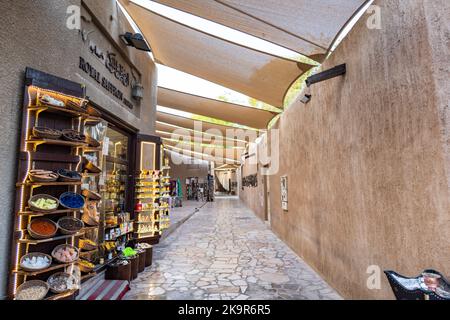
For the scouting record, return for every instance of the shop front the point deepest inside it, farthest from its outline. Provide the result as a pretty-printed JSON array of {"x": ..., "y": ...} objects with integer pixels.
[{"x": 91, "y": 194}]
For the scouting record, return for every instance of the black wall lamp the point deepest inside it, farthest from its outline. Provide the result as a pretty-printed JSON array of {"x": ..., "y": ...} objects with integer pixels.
[
  {"x": 135, "y": 40},
  {"x": 323, "y": 76}
]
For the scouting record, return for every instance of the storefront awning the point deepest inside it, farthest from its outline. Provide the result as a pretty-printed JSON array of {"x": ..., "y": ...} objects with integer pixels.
[
  {"x": 243, "y": 115},
  {"x": 259, "y": 75},
  {"x": 202, "y": 126},
  {"x": 308, "y": 27}
]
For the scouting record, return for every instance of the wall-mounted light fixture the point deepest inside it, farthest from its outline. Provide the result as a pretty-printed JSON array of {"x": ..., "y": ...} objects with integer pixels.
[
  {"x": 327, "y": 74},
  {"x": 322, "y": 76},
  {"x": 135, "y": 40},
  {"x": 137, "y": 91}
]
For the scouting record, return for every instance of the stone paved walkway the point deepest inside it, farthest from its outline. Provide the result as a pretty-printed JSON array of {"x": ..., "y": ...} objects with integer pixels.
[{"x": 225, "y": 252}]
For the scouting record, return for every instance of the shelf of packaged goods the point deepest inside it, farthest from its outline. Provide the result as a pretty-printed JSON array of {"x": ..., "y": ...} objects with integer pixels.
[
  {"x": 48, "y": 184},
  {"x": 35, "y": 241},
  {"x": 38, "y": 272},
  {"x": 58, "y": 110},
  {"x": 144, "y": 222},
  {"x": 37, "y": 142},
  {"x": 146, "y": 235},
  {"x": 39, "y": 214},
  {"x": 121, "y": 235}
]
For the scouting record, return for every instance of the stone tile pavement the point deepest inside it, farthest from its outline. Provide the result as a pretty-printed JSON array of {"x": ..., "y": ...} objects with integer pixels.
[{"x": 225, "y": 252}]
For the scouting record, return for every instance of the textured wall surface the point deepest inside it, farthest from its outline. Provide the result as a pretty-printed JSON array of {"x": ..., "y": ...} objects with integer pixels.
[
  {"x": 33, "y": 34},
  {"x": 367, "y": 159}
]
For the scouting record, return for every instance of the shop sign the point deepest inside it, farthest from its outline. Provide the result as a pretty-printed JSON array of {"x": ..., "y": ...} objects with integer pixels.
[{"x": 113, "y": 66}]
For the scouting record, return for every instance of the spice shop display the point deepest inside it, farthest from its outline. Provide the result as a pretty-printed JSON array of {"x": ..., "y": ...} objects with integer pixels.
[{"x": 47, "y": 223}]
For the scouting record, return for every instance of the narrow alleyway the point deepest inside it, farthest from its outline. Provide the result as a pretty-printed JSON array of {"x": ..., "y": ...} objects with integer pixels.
[{"x": 225, "y": 252}]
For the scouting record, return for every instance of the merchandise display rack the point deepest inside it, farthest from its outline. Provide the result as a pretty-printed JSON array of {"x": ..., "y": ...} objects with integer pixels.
[{"x": 51, "y": 155}]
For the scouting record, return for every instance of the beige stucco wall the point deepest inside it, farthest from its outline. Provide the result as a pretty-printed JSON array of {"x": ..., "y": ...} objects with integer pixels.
[
  {"x": 33, "y": 34},
  {"x": 253, "y": 196},
  {"x": 367, "y": 159}
]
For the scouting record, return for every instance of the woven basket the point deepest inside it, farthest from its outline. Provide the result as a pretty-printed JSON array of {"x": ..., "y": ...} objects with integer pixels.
[
  {"x": 44, "y": 196},
  {"x": 42, "y": 133},
  {"x": 31, "y": 255},
  {"x": 58, "y": 274},
  {"x": 61, "y": 202},
  {"x": 38, "y": 236},
  {"x": 33, "y": 283},
  {"x": 84, "y": 268},
  {"x": 64, "y": 246},
  {"x": 33, "y": 177},
  {"x": 64, "y": 178},
  {"x": 69, "y": 232}
]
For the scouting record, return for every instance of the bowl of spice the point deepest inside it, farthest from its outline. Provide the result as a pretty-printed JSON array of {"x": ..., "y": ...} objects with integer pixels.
[
  {"x": 43, "y": 203},
  {"x": 70, "y": 225},
  {"x": 32, "y": 290},
  {"x": 70, "y": 200},
  {"x": 65, "y": 253},
  {"x": 42, "y": 228},
  {"x": 68, "y": 176}
]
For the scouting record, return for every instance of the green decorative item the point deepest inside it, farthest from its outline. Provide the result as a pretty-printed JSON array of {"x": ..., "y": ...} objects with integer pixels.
[{"x": 129, "y": 252}]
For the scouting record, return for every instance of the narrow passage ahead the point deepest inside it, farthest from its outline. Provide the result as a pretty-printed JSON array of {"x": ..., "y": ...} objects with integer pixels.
[{"x": 225, "y": 252}]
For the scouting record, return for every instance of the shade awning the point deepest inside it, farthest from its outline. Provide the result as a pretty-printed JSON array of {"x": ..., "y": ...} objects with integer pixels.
[
  {"x": 202, "y": 139},
  {"x": 218, "y": 153},
  {"x": 212, "y": 150},
  {"x": 308, "y": 27},
  {"x": 243, "y": 115},
  {"x": 256, "y": 74},
  {"x": 200, "y": 156},
  {"x": 202, "y": 126}
]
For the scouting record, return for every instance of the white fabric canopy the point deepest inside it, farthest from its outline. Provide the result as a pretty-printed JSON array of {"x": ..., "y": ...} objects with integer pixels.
[
  {"x": 308, "y": 27},
  {"x": 243, "y": 115},
  {"x": 259, "y": 75},
  {"x": 202, "y": 126}
]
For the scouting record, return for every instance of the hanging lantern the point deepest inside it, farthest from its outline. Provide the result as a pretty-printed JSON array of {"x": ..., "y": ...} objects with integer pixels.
[{"x": 137, "y": 91}]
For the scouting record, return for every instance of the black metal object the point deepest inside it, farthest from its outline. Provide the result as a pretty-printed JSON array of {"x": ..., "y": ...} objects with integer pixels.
[
  {"x": 405, "y": 288},
  {"x": 135, "y": 40},
  {"x": 327, "y": 74}
]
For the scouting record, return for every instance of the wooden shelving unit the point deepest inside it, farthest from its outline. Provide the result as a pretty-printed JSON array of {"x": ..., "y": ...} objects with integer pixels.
[
  {"x": 45, "y": 154},
  {"x": 49, "y": 269}
]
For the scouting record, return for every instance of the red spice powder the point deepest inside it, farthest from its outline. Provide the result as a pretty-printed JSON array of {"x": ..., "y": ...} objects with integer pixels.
[{"x": 43, "y": 227}]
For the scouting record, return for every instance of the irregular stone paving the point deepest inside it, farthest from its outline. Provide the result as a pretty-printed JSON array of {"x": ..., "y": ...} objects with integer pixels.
[{"x": 224, "y": 252}]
